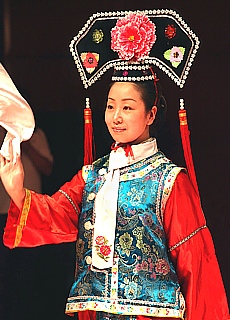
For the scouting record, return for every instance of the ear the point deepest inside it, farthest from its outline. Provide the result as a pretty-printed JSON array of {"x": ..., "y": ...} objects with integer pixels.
[{"x": 152, "y": 115}]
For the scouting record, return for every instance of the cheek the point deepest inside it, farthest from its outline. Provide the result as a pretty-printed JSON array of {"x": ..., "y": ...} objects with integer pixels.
[
  {"x": 140, "y": 121},
  {"x": 106, "y": 118}
]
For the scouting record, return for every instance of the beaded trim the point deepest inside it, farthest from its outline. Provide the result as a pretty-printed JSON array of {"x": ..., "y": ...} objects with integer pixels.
[
  {"x": 143, "y": 78},
  {"x": 133, "y": 66},
  {"x": 70, "y": 200},
  {"x": 187, "y": 238},
  {"x": 164, "y": 13}
]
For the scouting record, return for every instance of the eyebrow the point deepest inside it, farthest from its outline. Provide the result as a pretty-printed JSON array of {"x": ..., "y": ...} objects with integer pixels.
[{"x": 125, "y": 99}]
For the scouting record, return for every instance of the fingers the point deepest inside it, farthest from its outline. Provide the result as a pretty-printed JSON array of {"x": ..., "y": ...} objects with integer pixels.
[
  {"x": 6, "y": 165},
  {"x": 2, "y": 164},
  {"x": 11, "y": 151}
]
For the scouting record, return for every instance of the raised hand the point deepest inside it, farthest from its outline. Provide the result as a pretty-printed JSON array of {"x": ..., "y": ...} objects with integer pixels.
[{"x": 12, "y": 176}]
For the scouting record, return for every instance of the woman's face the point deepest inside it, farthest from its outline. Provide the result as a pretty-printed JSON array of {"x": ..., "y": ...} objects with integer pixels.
[{"x": 125, "y": 115}]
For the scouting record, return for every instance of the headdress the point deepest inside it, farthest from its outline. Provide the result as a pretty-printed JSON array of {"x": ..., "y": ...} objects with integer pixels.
[{"x": 131, "y": 42}]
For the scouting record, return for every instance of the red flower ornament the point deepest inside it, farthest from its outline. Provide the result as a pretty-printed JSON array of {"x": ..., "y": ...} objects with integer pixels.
[
  {"x": 133, "y": 37},
  {"x": 170, "y": 31},
  {"x": 100, "y": 240},
  {"x": 90, "y": 60},
  {"x": 105, "y": 250},
  {"x": 102, "y": 247}
]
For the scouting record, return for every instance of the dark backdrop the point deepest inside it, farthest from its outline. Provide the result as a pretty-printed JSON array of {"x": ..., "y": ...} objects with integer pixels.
[{"x": 35, "y": 39}]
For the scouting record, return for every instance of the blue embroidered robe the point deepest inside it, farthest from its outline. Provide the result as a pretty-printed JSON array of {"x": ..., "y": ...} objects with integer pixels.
[{"x": 142, "y": 280}]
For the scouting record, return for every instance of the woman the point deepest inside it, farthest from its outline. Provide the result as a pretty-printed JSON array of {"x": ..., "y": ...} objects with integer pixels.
[{"x": 143, "y": 250}]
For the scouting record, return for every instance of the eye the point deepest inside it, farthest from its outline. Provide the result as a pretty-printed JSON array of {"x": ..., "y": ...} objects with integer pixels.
[
  {"x": 109, "y": 106},
  {"x": 127, "y": 108}
]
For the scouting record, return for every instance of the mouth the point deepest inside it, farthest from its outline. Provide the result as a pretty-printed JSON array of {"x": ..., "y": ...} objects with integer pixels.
[{"x": 117, "y": 130}]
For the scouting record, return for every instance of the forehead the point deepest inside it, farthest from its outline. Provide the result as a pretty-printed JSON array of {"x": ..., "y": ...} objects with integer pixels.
[{"x": 124, "y": 90}]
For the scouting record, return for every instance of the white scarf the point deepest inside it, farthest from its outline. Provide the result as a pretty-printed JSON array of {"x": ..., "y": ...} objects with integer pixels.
[
  {"x": 106, "y": 202},
  {"x": 16, "y": 116}
]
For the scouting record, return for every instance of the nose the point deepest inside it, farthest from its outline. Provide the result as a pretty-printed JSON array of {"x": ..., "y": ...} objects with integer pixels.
[{"x": 117, "y": 118}]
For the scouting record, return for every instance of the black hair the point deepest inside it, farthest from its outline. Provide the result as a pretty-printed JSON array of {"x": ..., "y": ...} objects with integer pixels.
[{"x": 152, "y": 94}]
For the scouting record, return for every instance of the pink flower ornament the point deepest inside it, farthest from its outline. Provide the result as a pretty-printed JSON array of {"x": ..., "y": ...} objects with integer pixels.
[
  {"x": 133, "y": 37},
  {"x": 175, "y": 55}
]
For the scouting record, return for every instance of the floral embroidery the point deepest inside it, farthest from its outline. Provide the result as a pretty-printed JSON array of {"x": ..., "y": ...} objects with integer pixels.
[
  {"x": 135, "y": 196},
  {"x": 90, "y": 60},
  {"x": 80, "y": 248},
  {"x": 133, "y": 37},
  {"x": 102, "y": 248},
  {"x": 126, "y": 242},
  {"x": 147, "y": 220},
  {"x": 175, "y": 55},
  {"x": 98, "y": 36},
  {"x": 170, "y": 31},
  {"x": 162, "y": 267},
  {"x": 132, "y": 289},
  {"x": 146, "y": 266},
  {"x": 144, "y": 247}
]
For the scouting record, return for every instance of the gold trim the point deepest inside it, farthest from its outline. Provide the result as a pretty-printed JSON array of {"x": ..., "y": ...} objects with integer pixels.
[
  {"x": 186, "y": 238},
  {"x": 23, "y": 218}
]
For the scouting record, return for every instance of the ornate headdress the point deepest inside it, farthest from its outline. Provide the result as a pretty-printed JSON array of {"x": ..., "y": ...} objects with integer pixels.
[{"x": 131, "y": 42}]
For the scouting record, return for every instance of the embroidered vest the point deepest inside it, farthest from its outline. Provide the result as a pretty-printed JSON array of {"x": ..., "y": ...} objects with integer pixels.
[{"x": 142, "y": 280}]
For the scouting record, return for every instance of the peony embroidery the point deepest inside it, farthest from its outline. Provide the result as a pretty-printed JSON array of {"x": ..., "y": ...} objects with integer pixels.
[
  {"x": 175, "y": 55},
  {"x": 102, "y": 248},
  {"x": 162, "y": 267},
  {"x": 125, "y": 242},
  {"x": 90, "y": 60},
  {"x": 133, "y": 37},
  {"x": 170, "y": 31}
]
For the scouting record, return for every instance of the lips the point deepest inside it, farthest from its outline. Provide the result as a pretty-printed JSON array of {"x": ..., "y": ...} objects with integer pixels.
[{"x": 115, "y": 129}]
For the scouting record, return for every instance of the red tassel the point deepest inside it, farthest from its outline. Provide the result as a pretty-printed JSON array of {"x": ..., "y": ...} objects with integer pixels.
[
  {"x": 88, "y": 135},
  {"x": 185, "y": 137}
]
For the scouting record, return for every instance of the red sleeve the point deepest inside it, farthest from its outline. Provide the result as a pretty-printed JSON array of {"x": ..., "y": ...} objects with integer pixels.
[
  {"x": 192, "y": 252},
  {"x": 44, "y": 219}
]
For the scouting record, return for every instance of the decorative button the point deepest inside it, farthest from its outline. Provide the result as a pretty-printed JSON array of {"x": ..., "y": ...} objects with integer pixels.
[
  {"x": 91, "y": 196},
  {"x": 102, "y": 171},
  {"x": 88, "y": 225},
  {"x": 88, "y": 260}
]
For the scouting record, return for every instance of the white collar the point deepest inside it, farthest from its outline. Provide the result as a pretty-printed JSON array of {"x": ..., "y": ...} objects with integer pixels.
[{"x": 106, "y": 202}]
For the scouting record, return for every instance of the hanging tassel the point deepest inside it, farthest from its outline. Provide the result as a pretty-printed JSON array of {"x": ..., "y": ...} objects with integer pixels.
[
  {"x": 88, "y": 135},
  {"x": 185, "y": 137}
]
